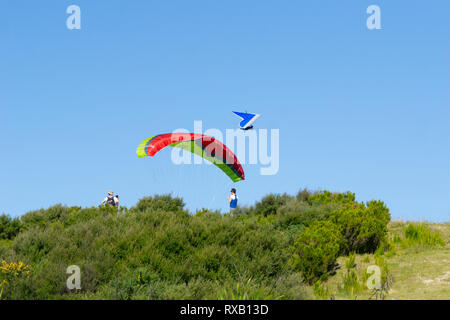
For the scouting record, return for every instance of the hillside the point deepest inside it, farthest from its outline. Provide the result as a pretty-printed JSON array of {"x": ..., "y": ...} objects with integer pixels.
[
  {"x": 419, "y": 271},
  {"x": 314, "y": 245}
]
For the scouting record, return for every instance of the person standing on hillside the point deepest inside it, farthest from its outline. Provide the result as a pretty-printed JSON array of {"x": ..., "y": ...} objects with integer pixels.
[
  {"x": 232, "y": 200},
  {"x": 110, "y": 199}
]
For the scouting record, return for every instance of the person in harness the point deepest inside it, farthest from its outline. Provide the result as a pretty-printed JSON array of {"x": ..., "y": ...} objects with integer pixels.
[
  {"x": 233, "y": 199},
  {"x": 110, "y": 199}
]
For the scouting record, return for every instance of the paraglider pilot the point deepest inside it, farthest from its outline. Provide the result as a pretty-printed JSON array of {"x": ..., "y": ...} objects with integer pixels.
[{"x": 233, "y": 199}]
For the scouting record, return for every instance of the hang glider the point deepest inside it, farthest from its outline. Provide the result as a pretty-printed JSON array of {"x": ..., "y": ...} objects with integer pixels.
[{"x": 247, "y": 119}]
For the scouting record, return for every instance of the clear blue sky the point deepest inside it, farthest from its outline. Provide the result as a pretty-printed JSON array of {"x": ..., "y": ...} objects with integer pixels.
[{"x": 359, "y": 110}]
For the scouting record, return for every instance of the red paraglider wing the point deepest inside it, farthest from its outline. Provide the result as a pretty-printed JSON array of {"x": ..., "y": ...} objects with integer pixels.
[{"x": 205, "y": 146}]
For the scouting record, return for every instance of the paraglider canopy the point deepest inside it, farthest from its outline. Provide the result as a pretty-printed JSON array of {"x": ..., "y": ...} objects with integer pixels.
[{"x": 202, "y": 145}]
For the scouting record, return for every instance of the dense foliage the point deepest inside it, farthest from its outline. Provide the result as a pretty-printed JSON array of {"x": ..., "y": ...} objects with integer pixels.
[
  {"x": 317, "y": 249},
  {"x": 9, "y": 227},
  {"x": 157, "y": 250}
]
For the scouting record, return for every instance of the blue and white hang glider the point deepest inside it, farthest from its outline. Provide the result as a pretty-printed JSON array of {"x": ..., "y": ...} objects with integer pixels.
[{"x": 247, "y": 119}]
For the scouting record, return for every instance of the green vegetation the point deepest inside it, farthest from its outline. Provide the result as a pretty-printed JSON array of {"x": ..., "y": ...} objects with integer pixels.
[
  {"x": 411, "y": 266},
  {"x": 316, "y": 250},
  {"x": 420, "y": 234},
  {"x": 283, "y": 247},
  {"x": 9, "y": 227}
]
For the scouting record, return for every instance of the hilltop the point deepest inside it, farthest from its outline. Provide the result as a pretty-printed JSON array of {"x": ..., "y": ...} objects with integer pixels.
[{"x": 314, "y": 245}]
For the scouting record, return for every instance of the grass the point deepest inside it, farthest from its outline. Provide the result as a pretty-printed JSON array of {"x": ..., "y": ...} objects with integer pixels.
[{"x": 419, "y": 265}]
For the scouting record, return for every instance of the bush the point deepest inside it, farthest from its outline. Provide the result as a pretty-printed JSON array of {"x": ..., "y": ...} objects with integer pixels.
[
  {"x": 15, "y": 282},
  {"x": 303, "y": 195},
  {"x": 270, "y": 204},
  {"x": 316, "y": 251},
  {"x": 161, "y": 203},
  {"x": 157, "y": 250},
  {"x": 44, "y": 217},
  {"x": 9, "y": 227},
  {"x": 364, "y": 227},
  {"x": 150, "y": 252},
  {"x": 327, "y": 197},
  {"x": 301, "y": 214}
]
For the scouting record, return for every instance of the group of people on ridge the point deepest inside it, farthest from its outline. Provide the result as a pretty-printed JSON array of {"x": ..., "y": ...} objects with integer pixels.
[{"x": 113, "y": 200}]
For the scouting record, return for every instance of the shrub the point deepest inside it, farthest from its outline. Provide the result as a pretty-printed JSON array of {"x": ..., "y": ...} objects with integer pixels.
[
  {"x": 327, "y": 197},
  {"x": 316, "y": 250},
  {"x": 301, "y": 214},
  {"x": 14, "y": 280},
  {"x": 177, "y": 255},
  {"x": 156, "y": 250},
  {"x": 9, "y": 227},
  {"x": 270, "y": 204},
  {"x": 303, "y": 195},
  {"x": 161, "y": 203},
  {"x": 364, "y": 227}
]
